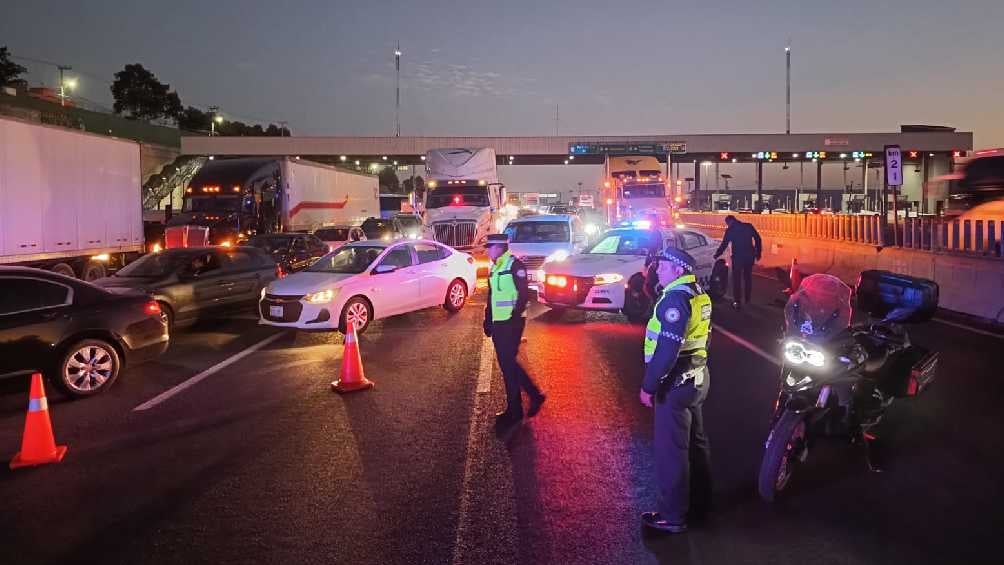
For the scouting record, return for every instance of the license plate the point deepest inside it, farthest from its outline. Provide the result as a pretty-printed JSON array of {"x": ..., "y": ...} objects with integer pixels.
[{"x": 275, "y": 311}]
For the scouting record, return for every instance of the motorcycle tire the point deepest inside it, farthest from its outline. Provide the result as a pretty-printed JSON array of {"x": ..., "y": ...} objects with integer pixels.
[
  {"x": 637, "y": 305},
  {"x": 781, "y": 455}
]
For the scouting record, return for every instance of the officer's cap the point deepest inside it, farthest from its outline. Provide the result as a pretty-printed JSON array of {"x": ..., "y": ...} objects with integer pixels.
[
  {"x": 679, "y": 258},
  {"x": 498, "y": 239}
]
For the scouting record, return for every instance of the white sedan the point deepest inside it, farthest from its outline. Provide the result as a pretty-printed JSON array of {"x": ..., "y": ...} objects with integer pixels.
[
  {"x": 610, "y": 275},
  {"x": 369, "y": 280}
]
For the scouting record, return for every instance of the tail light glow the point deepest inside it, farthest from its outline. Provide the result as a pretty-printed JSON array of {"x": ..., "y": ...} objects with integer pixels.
[
  {"x": 280, "y": 273},
  {"x": 152, "y": 308},
  {"x": 557, "y": 280}
]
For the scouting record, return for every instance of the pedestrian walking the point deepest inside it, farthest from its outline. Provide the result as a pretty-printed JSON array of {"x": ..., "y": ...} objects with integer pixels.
[
  {"x": 746, "y": 250},
  {"x": 505, "y": 320},
  {"x": 676, "y": 383}
]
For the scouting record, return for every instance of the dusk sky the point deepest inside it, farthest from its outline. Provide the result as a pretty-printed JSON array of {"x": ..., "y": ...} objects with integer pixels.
[{"x": 499, "y": 68}]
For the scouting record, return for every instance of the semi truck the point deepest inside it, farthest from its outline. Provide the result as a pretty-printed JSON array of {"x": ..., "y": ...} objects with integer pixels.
[
  {"x": 70, "y": 202},
  {"x": 465, "y": 200},
  {"x": 237, "y": 198},
  {"x": 636, "y": 186}
]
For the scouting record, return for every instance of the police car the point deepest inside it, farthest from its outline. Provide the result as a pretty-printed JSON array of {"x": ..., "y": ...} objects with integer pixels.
[{"x": 609, "y": 276}]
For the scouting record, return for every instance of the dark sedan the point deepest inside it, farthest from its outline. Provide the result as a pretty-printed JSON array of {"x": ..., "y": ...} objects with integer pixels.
[
  {"x": 80, "y": 336},
  {"x": 292, "y": 251},
  {"x": 193, "y": 284}
]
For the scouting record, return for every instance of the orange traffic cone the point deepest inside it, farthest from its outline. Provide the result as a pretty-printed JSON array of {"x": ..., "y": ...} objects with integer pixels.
[
  {"x": 796, "y": 275},
  {"x": 353, "y": 377},
  {"x": 38, "y": 447}
]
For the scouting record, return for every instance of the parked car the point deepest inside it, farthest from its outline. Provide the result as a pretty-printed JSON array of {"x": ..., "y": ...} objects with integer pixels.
[
  {"x": 536, "y": 239},
  {"x": 197, "y": 283},
  {"x": 380, "y": 229},
  {"x": 292, "y": 251},
  {"x": 77, "y": 334},
  {"x": 610, "y": 275},
  {"x": 337, "y": 236},
  {"x": 369, "y": 280}
]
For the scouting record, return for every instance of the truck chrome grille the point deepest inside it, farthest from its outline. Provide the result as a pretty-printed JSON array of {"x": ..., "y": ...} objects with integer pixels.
[{"x": 456, "y": 234}]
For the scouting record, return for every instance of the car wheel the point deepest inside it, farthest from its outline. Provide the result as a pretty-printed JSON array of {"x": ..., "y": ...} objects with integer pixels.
[
  {"x": 168, "y": 316},
  {"x": 357, "y": 311},
  {"x": 637, "y": 306},
  {"x": 93, "y": 271},
  {"x": 87, "y": 368},
  {"x": 63, "y": 269},
  {"x": 456, "y": 296}
]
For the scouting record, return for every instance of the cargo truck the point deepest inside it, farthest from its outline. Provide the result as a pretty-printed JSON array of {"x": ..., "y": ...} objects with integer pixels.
[
  {"x": 70, "y": 202},
  {"x": 636, "y": 186},
  {"x": 237, "y": 198},
  {"x": 465, "y": 200}
]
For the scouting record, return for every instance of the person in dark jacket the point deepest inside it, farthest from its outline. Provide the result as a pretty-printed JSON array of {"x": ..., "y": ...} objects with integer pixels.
[
  {"x": 505, "y": 320},
  {"x": 746, "y": 250}
]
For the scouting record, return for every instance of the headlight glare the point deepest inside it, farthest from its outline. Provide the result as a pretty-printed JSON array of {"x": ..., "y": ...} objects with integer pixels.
[
  {"x": 797, "y": 353},
  {"x": 557, "y": 256},
  {"x": 607, "y": 278}
]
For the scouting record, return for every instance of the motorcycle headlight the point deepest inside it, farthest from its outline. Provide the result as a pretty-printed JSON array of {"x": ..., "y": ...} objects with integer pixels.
[
  {"x": 321, "y": 296},
  {"x": 607, "y": 278},
  {"x": 557, "y": 257},
  {"x": 796, "y": 353}
]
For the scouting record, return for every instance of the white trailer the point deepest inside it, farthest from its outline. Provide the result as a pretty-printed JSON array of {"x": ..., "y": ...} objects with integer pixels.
[
  {"x": 320, "y": 195},
  {"x": 69, "y": 200}
]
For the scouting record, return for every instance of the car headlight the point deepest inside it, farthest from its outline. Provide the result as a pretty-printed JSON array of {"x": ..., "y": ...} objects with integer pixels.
[
  {"x": 797, "y": 353},
  {"x": 321, "y": 296},
  {"x": 557, "y": 256},
  {"x": 592, "y": 229},
  {"x": 607, "y": 278}
]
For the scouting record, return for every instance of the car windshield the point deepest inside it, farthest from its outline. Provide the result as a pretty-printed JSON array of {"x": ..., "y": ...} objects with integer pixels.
[
  {"x": 212, "y": 204},
  {"x": 627, "y": 242},
  {"x": 409, "y": 222},
  {"x": 375, "y": 229},
  {"x": 466, "y": 196},
  {"x": 819, "y": 309},
  {"x": 644, "y": 191},
  {"x": 349, "y": 260},
  {"x": 155, "y": 265},
  {"x": 271, "y": 244},
  {"x": 332, "y": 234},
  {"x": 539, "y": 232}
]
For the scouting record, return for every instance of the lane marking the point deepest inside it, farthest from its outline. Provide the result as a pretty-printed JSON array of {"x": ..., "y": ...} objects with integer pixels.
[
  {"x": 485, "y": 367},
  {"x": 965, "y": 327},
  {"x": 181, "y": 387},
  {"x": 747, "y": 345}
]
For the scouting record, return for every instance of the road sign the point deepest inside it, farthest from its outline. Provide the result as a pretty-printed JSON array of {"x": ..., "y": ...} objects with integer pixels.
[
  {"x": 586, "y": 200},
  {"x": 635, "y": 148},
  {"x": 893, "y": 165}
]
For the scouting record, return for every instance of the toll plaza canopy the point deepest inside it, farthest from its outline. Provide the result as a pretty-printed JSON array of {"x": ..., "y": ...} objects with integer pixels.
[{"x": 914, "y": 141}]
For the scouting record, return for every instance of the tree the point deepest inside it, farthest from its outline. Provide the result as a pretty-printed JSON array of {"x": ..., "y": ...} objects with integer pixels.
[
  {"x": 193, "y": 119},
  {"x": 141, "y": 96},
  {"x": 388, "y": 180},
  {"x": 10, "y": 72}
]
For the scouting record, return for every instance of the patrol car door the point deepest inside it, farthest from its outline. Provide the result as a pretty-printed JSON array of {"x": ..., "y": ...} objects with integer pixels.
[{"x": 700, "y": 249}]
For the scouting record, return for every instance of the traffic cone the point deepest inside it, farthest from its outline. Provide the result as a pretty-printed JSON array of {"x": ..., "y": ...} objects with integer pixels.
[
  {"x": 38, "y": 447},
  {"x": 795, "y": 276},
  {"x": 353, "y": 377}
]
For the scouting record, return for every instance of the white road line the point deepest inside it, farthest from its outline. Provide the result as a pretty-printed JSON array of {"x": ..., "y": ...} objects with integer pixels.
[
  {"x": 181, "y": 387},
  {"x": 747, "y": 345},
  {"x": 475, "y": 450},
  {"x": 965, "y": 327}
]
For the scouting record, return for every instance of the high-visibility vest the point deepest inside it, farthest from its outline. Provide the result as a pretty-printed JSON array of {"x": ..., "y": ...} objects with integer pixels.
[
  {"x": 504, "y": 293},
  {"x": 695, "y": 338}
]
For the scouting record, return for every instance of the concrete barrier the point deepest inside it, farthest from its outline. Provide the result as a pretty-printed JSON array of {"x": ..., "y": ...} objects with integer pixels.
[{"x": 969, "y": 285}]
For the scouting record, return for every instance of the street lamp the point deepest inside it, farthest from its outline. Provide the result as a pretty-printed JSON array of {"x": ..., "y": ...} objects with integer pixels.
[
  {"x": 215, "y": 118},
  {"x": 65, "y": 83}
]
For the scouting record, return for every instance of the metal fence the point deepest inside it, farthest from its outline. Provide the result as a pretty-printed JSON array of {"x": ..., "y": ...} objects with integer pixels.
[{"x": 968, "y": 237}]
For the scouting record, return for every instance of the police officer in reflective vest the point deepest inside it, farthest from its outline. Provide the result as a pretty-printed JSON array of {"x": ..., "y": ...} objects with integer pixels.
[
  {"x": 676, "y": 383},
  {"x": 505, "y": 320}
]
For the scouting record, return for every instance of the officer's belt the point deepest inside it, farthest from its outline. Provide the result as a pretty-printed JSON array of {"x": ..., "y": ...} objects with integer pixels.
[{"x": 687, "y": 368}]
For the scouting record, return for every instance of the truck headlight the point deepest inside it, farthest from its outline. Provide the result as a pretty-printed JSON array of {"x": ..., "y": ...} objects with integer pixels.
[
  {"x": 796, "y": 353},
  {"x": 607, "y": 278},
  {"x": 321, "y": 296}
]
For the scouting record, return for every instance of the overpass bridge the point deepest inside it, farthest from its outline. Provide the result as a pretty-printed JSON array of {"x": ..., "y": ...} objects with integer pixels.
[{"x": 928, "y": 152}]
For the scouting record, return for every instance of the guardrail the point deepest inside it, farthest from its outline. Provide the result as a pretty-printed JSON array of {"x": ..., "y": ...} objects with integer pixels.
[{"x": 982, "y": 237}]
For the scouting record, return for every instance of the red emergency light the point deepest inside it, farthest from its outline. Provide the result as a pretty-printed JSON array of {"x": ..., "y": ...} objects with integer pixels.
[{"x": 457, "y": 199}]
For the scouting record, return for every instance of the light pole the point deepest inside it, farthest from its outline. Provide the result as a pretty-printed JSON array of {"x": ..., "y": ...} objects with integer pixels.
[
  {"x": 65, "y": 83},
  {"x": 214, "y": 119},
  {"x": 397, "y": 90},
  {"x": 787, "y": 88}
]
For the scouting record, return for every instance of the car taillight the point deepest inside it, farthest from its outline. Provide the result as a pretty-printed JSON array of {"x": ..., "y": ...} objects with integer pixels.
[
  {"x": 279, "y": 271},
  {"x": 152, "y": 308},
  {"x": 558, "y": 281}
]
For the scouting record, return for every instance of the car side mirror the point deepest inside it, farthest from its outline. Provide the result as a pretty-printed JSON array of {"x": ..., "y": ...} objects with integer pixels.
[{"x": 380, "y": 269}]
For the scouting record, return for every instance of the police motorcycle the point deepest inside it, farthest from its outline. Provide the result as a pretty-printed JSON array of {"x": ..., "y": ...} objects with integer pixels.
[{"x": 838, "y": 379}]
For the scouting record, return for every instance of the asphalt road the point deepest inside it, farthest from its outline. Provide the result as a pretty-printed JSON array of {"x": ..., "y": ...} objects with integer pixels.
[{"x": 259, "y": 462}]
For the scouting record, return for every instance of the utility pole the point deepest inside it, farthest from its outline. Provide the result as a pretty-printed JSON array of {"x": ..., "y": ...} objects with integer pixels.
[
  {"x": 555, "y": 120},
  {"x": 62, "y": 83},
  {"x": 787, "y": 90},
  {"x": 282, "y": 132},
  {"x": 212, "y": 119},
  {"x": 397, "y": 90}
]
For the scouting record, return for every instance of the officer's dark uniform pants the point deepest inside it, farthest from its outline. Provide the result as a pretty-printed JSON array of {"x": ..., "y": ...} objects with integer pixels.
[
  {"x": 742, "y": 272},
  {"x": 682, "y": 453},
  {"x": 506, "y": 337}
]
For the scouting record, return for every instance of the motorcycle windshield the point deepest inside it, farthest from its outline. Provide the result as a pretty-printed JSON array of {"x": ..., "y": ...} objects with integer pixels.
[{"x": 819, "y": 309}]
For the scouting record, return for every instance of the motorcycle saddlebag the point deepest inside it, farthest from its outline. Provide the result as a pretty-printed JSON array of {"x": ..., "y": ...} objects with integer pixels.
[
  {"x": 911, "y": 372},
  {"x": 881, "y": 292}
]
